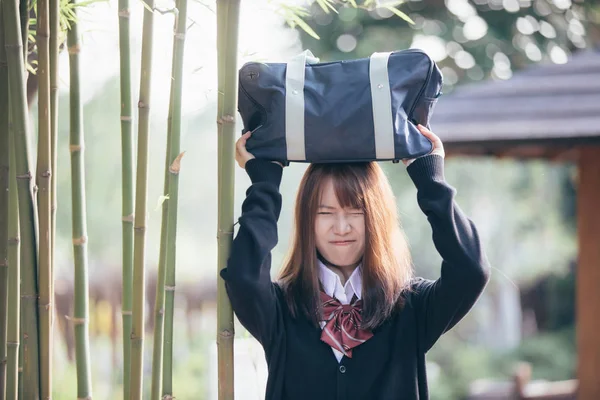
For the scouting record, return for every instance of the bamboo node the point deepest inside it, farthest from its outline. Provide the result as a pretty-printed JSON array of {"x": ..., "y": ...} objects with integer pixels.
[
  {"x": 80, "y": 241},
  {"x": 176, "y": 164},
  {"x": 14, "y": 241},
  {"x": 169, "y": 288},
  {"x": 124, "y": 13},
  {"x": 126, "y": 312},
  {"x": 225, "y": 119},
  {"x": 24, "y": 176},
  {"x": 29, "y": 296},
  {"x": 125, "y": 118},
  {"x": 85, "y": 398},
  {"x": 75, "y": 49},
  {"x": 168, "y": 397},
  {"x": 128, "y": 218},
  {"x": 141, "y": 104},
  {"x": 12, "y": 344},
  {"x": 76, "y": 321},
  {"x": 139, "y": 228},
  {"x": 20, "y": 369},
  {"x": 226, "y": 333},
  {"x": 179, "y": 36},
  {"x": 75, "y": 147},
  {"x": 46, "y": 174},
  {"x": 46, "y": 306},
  {"x": 4, "y": 263}
]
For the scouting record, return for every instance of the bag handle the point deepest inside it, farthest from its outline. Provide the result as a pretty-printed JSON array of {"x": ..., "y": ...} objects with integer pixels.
[
  {"x": 383, "y": 121},
  {"x": 294, "y": 105}
]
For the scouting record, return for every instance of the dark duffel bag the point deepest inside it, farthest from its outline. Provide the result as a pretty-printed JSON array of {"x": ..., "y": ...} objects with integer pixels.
[{"x": 343, "y": 111}]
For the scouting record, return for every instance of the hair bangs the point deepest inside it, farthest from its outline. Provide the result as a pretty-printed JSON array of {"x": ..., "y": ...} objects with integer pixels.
[{"x": 347, "y": 184}]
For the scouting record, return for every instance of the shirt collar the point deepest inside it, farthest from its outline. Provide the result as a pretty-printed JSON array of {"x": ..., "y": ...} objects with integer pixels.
[{"x": 332, "y": 284}]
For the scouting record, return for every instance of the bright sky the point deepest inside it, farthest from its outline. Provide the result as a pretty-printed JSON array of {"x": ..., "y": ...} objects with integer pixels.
[{"x": 268, "y": 39}]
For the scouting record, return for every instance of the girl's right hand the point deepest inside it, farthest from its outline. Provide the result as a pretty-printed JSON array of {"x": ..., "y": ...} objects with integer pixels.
[{"x": 241, "y": 154}]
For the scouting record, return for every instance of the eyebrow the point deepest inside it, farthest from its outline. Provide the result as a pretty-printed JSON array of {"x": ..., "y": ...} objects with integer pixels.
[{"x": 328, "y": 207}]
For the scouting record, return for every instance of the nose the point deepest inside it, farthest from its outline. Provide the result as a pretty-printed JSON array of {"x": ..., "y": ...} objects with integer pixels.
[{"x": 342, "y": 225}]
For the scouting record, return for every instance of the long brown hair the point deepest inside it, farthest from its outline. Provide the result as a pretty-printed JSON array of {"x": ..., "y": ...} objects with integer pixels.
[{"x": 386, "y": 263}]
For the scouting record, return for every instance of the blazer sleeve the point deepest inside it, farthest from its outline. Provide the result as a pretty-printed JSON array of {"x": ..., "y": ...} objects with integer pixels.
[
  {"x": 247, "y": 275},
  {"x": 465, "y": 271}
]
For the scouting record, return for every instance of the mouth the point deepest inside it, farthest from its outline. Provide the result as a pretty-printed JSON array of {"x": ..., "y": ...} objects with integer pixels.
[{"x": 342, "y": 242}]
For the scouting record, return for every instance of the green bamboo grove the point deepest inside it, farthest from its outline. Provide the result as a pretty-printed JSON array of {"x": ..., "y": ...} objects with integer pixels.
[{"x": 28, "y": 198}]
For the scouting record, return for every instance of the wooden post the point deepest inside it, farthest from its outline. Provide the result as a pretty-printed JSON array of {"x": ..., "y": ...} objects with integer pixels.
[{"x": 588, "y": 273}]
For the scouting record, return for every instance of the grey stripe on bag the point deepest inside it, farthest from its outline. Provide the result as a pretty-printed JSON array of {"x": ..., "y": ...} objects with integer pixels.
[
  {"x": 294, "y": 108},
  {"x": 382, "y": 106}
]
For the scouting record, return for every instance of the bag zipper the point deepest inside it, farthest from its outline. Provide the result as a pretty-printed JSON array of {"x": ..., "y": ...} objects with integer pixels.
[{"x": 429, "y": 73}]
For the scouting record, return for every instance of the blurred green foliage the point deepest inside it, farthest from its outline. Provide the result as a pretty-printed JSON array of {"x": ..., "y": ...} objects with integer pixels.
[{"x": 470, "y": 40}]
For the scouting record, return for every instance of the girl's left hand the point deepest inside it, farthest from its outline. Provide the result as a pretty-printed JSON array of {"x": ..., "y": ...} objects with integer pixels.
[{"x": 438, "y": 147}]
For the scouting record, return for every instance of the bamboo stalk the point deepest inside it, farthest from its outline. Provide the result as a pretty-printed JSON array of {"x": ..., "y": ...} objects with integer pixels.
[
  {"x": 54, "y": 49},
  {"x": 139, "y": 241},
  {"x": 172, "y": 172},
  {"x": 227, "y": 39},
  {"x": 24, "y": 6},
  {"x": 159, "y": 300},
  {"x": 28, "y": 253},
  {"x": 14, "y": 276},
  {"x": 80, "y": 316},
  {"x": 127, "y": 188},
  {"x": 43, "y": 174},
  {"x": 4, "y": 197}
]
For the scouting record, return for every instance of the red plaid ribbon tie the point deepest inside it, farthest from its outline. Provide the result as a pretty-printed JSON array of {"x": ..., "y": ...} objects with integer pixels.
[{"x": 342, "y": 324}]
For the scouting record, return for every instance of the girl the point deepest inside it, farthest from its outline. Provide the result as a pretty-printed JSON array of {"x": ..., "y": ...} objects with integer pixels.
[{"x": 347, "y": 320}]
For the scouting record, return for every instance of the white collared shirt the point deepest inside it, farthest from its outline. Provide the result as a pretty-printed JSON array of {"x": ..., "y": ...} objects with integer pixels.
[{"x": 332, "y": 285}]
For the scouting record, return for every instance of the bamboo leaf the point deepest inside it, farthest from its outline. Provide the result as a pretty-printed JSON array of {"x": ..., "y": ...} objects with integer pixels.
[
  {"x": 160, "y": 201},
  {"x": 305, "y": 27},
  {"x": 323, "y": 6},
  {"x": 400, "y": 14},
  {"x": 147, "y": 7},
  {"x": 327, "y": 5}
]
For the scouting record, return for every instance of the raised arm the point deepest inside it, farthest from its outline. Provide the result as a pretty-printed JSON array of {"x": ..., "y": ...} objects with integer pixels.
[
  {"x": 465, "y": 271},
  {"x": 247, "y": 276}
]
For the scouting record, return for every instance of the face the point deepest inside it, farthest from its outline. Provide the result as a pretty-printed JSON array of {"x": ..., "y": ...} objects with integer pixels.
[{"x": 340, "y": 232}]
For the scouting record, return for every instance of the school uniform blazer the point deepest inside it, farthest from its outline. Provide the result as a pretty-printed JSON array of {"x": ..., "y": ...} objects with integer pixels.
[{"x": 390, "y": 365}]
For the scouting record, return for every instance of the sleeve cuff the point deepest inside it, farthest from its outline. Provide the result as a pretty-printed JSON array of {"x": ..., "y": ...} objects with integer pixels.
[
  {"x": 260, "y": 170},
  {"x": 426, "y": 169}
]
